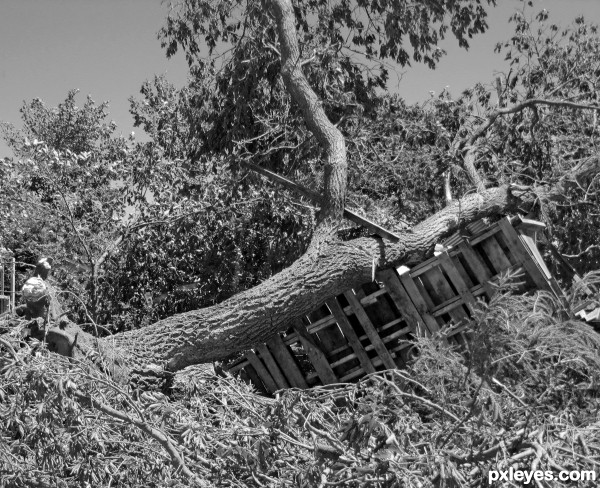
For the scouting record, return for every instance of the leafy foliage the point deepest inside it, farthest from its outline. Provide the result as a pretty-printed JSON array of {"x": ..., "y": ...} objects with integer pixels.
[
  {"x": 62, "y": 195},
  {"x": 177, "y": 223},
  {"x": 237, "y": 103},
  {"x": 543, "y": 143},
  {"x": 223, "y": 236},
  {"x": 528, "y": 387}
]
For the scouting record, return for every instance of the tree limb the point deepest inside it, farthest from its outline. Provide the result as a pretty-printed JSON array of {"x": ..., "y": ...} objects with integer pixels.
[
  {"x": 491, "y": 119},
  {"x": 163, "y": 439},
  {"x": 128, "y": 230},
  {"x": 329, "y": 136},
  {"x": 318, "y": 199},
  {"x": 585, "y": 251},
  {"x": 470, "y": 147},
  {"x": 326, "y": 270}
]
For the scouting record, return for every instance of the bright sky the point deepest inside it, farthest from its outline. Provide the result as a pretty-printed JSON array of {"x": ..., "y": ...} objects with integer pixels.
[{"x": 107, "y": 48}]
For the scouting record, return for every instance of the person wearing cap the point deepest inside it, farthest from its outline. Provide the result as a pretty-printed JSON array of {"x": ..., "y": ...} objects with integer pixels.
[
  {"x": 36, "y": 296},
  {"x": 35, "y": 292}
]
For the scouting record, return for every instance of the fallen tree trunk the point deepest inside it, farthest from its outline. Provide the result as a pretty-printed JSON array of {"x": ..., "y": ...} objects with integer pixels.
[{"x": 329, "y": 267}]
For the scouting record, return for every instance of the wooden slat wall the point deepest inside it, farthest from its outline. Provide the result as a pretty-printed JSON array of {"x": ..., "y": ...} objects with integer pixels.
[{"x": 370, "y": 328}]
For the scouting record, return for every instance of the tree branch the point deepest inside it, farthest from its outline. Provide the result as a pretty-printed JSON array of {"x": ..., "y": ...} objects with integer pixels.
[
  {"x": 128, "y": 230},
  {"x": 318, "y": 200},
  {"x": 327, "y": 134},
  {"x": 71, "y": 219},
  {"x": 163, "y": 439},
  {"x": 470, "y": 145},
  {"x": 491, "y": 119},
  {"x": 327, "y": 270},
  {"x": 585, "y": 251}
]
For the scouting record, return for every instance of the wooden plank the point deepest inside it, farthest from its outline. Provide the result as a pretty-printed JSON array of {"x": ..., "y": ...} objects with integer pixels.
[
  {"x": 344, "y": 360},
  {"x": 457, "y": 280},
  {"x": 454, "y": 302},
  {"x": 239, "y": 365},
  {"x": 365, "y": 337},
  {"x": 453, "y": 240},
  {"x": 384, "y": 310},
  {"x": 398, "y": 333},
  {"x": 329, "y": 338},
  {"x": 436, "y": 284},
  {"x": 255, "y": 379},
  {"x": 262, "y": 372},
  {"x": 327, "y": 321},
  {"x": 496, "y": 254},
  {"x": 531, "y": 246},
  {"x": 370, "y": 347},
  {"x": 369, "y": 328},
  {"x": 371, "y": 299},
  {"x": 533, "y": 249},
  {"x": 272, "y": 366},
  {"x": 400, "y": 297},
  {"x": 350, "y": 335},
  {"x": 361, "y": 293},
  {"x": 424, "y": 293},
  {"x": 469, "y": 297},
  {"x": 322, "y": 323},
  {"x": 315, "y": 354},
  {"x": 458, "y": 260},
  {"x": 417, "y": 299},
  {"x": 477, "y": 227},
  {"x": 501, "y": 239},
  {"x": 478, "y": 267},
  {"x": 287, "y": 362},
  {"x": 465, "y": 296},
  {"x": 482, "y": 237},
  {"x": 353, "y": 373},
  {"x": 522, "y": 255},
  {"x": 424, "y": 266},
  {"x": 372, "y": 226},
  {"x": 318, "y": 314}
]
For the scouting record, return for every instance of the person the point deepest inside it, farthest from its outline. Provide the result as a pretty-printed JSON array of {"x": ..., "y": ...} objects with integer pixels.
[{"x": 35, "y": 292}]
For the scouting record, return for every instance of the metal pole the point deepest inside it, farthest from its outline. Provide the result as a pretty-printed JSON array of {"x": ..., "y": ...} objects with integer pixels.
[{"x": 12, "y": 285}]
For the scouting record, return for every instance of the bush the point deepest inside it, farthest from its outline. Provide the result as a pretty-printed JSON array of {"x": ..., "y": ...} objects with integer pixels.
[{"x": 524, "y": 394}]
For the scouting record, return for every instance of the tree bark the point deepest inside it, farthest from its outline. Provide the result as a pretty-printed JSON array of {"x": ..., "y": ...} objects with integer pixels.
[
  {"x": 328, "y": 135},
  {"x": 326, "y": 270}
]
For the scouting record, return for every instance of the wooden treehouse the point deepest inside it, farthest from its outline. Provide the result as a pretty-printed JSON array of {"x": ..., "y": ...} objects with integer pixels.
[{"x": 370, "y": 328}]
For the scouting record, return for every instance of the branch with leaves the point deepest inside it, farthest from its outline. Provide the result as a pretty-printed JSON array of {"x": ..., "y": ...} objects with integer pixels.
[{"x": 469, "y": 146}]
